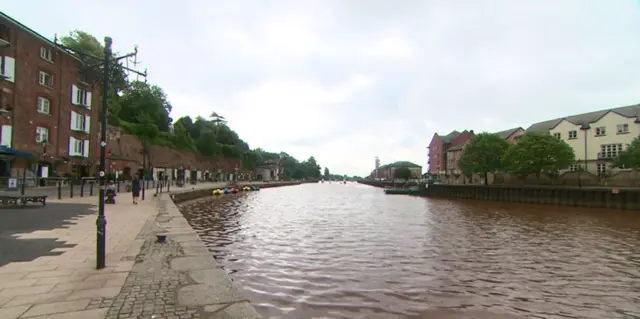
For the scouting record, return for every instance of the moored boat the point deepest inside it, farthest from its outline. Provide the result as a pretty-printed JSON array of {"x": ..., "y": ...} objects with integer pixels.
[{"x": 399, "y": 191}]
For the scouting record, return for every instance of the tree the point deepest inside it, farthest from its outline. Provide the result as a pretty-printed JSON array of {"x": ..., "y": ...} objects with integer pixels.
[
  {"x": 402, "y": 173},
  {"x": 150, "y": 99},
  {"x": 630, "y": 157},
  {"x": 537, "y": 153},
  {"x": 483, "y": 154},
  {"x": 206, "y": 144},
  {"x": 147, "y": 133},
  {"x": 90, "y": 52},
  {"x": 327, "y": 175}
]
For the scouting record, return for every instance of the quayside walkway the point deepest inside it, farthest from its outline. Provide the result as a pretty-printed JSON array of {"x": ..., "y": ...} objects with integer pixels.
[{"x": 50, "y": 271}]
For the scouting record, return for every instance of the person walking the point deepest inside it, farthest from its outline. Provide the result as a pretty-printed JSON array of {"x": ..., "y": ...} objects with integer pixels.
[{"x": 135, "y": 189}]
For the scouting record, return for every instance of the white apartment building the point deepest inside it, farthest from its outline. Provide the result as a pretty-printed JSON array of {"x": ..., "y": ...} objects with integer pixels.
[{"x": 596, "y": 137}]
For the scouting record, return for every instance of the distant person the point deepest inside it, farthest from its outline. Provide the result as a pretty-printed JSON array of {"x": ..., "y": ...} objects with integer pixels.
[{"x": 135, "y": 189}]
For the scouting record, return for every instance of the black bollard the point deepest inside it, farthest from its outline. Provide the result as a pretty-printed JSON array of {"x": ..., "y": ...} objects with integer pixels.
[
  {"x": 81, "y": 188},
  {"x": 118, "y": 186},
  {"x": 59, "y": 189},
  {"x": 71, "y": 189},
  {"x": 91, "y": 189}
]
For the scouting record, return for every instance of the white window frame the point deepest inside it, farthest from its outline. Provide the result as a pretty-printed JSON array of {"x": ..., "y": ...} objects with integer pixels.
[
  {"x": 46, "y": 54},
  {"x": 573, "y": 135},
  {"x": 80, "y": 122},
  {"x": 81, "y": 97},
  {"x": 601, "y": 169},
  {"x": 601, "y": 131},
  {"x": 574, "y": 167},
  {"x": 610, "y": 151},
  {"x": 622, "y": 128},
  {"x": 78, "y": 147},
  {"x": 557, "y": 135},
  {"x": 43, "y": 79},
  {"x": 42, "y": 134},
  {"x": 44, "y": 105}
]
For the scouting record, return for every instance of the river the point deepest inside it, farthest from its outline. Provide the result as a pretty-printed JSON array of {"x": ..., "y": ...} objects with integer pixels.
[{"x": 349, "y": 251}]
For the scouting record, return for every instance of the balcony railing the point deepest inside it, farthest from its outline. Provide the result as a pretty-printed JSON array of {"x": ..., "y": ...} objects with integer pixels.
[{"x": 602, "y": 155}]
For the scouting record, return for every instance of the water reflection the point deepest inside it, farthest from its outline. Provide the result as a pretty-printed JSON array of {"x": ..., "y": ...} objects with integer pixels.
[{"x": 349, "y": 251}]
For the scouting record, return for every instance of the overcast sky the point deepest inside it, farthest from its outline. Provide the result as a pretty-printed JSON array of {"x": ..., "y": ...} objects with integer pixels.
[{"x": 346, "y": 81}]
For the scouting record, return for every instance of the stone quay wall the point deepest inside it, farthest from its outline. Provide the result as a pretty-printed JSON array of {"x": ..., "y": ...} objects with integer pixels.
[
  {"x": 595, "y": 197},
  {"x": 204, "y": 289},
  {"x": 186, "y": 195}
]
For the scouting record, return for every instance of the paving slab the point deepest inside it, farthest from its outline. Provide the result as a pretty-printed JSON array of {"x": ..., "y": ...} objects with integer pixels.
[{"x": 178, "y": 278}]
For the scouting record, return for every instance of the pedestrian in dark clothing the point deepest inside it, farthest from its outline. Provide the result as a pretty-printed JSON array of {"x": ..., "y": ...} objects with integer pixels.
[{"x": 135, "y": 189}]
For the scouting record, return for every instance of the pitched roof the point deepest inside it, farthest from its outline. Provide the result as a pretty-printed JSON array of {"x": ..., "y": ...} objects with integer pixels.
[
  {"x": 449, "y": 137},
  {"x": 401, "y": 164},
  {"x": 506, "y": 133},
  {"x": 585, "y": 118}
]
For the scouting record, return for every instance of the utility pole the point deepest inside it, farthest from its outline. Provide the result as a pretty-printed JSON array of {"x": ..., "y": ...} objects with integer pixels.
[{"x": 101, "y": 221}]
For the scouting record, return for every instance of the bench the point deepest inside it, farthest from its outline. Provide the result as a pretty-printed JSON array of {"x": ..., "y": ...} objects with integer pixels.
[{"x": 22, "y": 199}]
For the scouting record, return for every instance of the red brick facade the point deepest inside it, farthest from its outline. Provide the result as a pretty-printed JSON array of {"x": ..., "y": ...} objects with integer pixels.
[
  {"x": 125, "y": 152},
  {"x": 444, "y": 151},
  {"x": 22, "y": 59},
  {"x": 24, "y": 54}
]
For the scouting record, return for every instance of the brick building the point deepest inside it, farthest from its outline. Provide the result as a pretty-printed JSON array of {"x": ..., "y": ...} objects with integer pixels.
[
  {"x": 46, "y": 108},
  {"x": 387, "y": 172},
  {"x": 445, "y": 151}
]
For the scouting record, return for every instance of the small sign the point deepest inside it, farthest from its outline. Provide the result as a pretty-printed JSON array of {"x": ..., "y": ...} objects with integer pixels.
[
  {"x": 615, "y": 191},
  {"x": 103, "y": 144},
  {"x": 101, "y": 173},
  {"x": 13, "y": 183}
]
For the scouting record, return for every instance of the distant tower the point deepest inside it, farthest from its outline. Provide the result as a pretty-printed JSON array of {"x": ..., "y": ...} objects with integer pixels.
[{"x": 377, "y": 165}]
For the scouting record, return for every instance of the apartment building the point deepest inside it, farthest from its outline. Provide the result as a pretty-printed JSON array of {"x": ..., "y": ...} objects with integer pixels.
[
  {"x": 445, "y": 151},
  {"x": 596, "y": 137},
  {"x": 46, "y": 107}
]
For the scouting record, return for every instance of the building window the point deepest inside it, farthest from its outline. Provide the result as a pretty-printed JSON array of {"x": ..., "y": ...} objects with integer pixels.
[
  {"x": 622, "y": 128},
  {"x": 573, "y": 135},
  {"x": 45, "y": 54},
  {"x": 574, "y": 167},
  {"x": 46, "y": 79},
  {"x": 610, "y": 150},
  {"x": 601, "y": 131},
  {"x": 80, "y": 97},
  {"x": 557, "y": 135},
  {"x": 42, "y": 135},
  {"x": 44, "y": 106},
  {"x": 78, "y": 120},
  {"x": 78, "y": 147},
  {"x": 601, "y": 169}
]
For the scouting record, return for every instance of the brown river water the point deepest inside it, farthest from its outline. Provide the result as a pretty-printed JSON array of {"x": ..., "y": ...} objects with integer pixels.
[{"x": 349, "y": 251}]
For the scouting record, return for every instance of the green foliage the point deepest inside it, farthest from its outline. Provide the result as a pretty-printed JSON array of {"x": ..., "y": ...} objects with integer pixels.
[
  {"x": 150, "y": 99},
  {"x": 402, "y": 173},
  {"x": 326, "y": 173},
  {"x": 630, "y": 157},
  {"x": 91, "y": 52},
  {"x": 537, "y": 153},
  {"x": 483, "y": 154}
]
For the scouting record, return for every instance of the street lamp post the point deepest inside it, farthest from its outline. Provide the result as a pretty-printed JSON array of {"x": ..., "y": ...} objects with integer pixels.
[{"x": 101, "y": 221}]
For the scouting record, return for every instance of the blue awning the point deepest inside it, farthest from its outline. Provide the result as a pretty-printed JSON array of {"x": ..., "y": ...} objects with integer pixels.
[{"x": 5, "y": 150}]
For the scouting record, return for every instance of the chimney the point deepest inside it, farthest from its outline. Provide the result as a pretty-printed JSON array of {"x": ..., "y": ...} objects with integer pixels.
[{"x": 471, "y": 131}]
